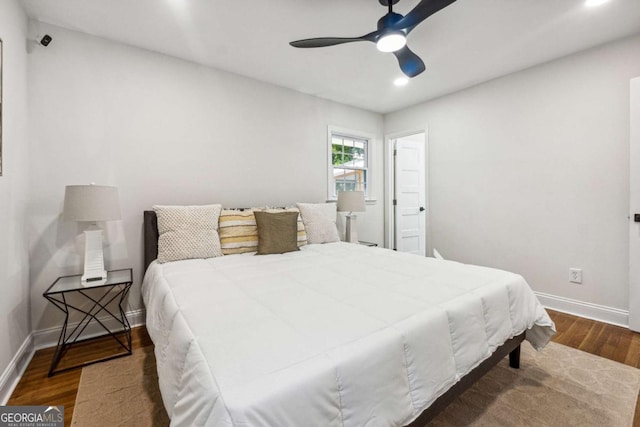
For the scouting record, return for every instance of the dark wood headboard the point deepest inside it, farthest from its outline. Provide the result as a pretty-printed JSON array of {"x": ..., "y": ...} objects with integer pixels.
[{"x": 150, "y": 238}]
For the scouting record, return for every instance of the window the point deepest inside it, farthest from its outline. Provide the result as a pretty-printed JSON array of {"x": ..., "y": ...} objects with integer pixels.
[{"x": 349, "y": 159}]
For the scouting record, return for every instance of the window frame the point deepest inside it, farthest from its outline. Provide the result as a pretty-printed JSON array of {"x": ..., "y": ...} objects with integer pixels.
[{"x": 358, "y": 135}]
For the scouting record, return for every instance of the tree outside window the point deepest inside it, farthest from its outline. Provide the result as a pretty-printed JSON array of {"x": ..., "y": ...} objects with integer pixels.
[{"x": 350, "y": 163}]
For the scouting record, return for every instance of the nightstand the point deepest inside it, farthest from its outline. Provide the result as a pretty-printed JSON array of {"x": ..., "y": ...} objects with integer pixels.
[
  {"x": 91, "y": 298},
  {"x": 368, "y": 244}
]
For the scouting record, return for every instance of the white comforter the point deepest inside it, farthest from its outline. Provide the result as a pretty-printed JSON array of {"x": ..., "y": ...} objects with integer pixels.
[{"x": 333, "y": 335}]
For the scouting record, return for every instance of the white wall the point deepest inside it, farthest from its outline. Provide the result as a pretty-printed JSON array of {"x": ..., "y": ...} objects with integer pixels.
[
  {"x": 530, "y": 172},
  {"x": 164, "y": 131},
  {"x": 14, "y": 262}
]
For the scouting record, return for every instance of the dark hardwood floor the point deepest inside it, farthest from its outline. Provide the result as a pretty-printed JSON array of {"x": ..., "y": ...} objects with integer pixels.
[
  {"x": 35, "y": 388},
  {"x": 611, "y": 342}
]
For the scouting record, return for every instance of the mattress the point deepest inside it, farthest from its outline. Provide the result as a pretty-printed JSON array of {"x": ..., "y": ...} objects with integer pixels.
[{"x": 332, "y": 335}]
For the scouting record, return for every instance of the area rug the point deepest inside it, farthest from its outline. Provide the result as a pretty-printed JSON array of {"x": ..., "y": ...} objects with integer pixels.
[
  {"x": 120, "y": 392},
  {"x": 559, "y": 386}
]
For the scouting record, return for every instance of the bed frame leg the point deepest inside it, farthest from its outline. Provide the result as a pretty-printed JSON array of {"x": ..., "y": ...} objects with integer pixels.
[{"x": 514, "y": 358}]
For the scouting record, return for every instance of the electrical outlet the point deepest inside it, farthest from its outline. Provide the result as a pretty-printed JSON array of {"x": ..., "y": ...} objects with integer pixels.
[{"x": 575, "y": 275}]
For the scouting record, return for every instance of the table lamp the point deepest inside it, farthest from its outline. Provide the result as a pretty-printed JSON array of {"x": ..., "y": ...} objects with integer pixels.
[
  {"x": 351, "y": 201},
  {"x": 92, "y": 203}
]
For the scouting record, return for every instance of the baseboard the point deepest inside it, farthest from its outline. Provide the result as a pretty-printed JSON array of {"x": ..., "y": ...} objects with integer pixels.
[
  {"x": 48, "y": 338},
  {"x": 601, "y": 313},
  {"x": 15, "y": 370}
]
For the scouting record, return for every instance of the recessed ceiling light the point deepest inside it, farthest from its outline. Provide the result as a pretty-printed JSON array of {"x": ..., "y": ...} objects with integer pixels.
[
  {"x": 594, "y": 3},
  {"x": 401, "y": 81}
]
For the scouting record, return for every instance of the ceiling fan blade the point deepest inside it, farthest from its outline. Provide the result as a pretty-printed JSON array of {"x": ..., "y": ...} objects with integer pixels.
[
  {"x": 422, "y": 11},
  {"x": 324, "y": 41},
  {"x": 410, "y": 63},
  {"x": 333, "y": 41}
]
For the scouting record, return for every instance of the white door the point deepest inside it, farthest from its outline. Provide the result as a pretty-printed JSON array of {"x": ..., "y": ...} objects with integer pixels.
[
  {"x": 410, "y": 195},
  {"x": 634, "y": 203}
]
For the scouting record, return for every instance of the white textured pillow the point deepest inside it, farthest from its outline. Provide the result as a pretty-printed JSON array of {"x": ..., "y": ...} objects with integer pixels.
[
  {"x": 319, "y": 222},
  {"x": 188, "y": 232}
]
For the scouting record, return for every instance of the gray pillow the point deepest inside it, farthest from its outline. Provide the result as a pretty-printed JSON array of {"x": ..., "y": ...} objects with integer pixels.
[{"x": 188, "y": 232}]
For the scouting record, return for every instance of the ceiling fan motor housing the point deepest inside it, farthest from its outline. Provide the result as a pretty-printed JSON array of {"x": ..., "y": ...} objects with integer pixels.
[{"x": 389, "y": 20}]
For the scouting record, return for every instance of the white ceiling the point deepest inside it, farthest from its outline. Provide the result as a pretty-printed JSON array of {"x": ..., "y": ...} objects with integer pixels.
[{"x": 469, "y": 42}]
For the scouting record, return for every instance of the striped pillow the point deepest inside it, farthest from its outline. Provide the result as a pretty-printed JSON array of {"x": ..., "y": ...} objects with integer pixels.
[
  {"x": 238, "y": 231},
  {"x": 302, "y": 233}
]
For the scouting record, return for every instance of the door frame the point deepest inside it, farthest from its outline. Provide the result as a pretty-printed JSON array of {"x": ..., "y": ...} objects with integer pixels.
[
  {"x": 634, "y": 207},
  {"x": 389, "y": 186}
]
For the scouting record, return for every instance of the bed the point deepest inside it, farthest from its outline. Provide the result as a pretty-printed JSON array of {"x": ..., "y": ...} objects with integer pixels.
[{"x": 335, "y": 334}]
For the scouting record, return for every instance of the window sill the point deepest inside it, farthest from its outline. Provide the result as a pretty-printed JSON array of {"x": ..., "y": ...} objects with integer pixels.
[{"x": 368, "y": 202}]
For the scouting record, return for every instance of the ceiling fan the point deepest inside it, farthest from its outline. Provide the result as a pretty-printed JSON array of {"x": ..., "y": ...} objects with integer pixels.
[{"x": 391, "y": 35}]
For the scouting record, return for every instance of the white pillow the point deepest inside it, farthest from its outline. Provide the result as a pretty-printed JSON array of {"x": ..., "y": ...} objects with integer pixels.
[
  {"x": 188, "y": 232},
  {"x": 319, "y": 222}
]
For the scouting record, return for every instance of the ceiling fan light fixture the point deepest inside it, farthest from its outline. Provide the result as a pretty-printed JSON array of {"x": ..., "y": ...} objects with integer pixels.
[{"x": 391, "y": 42}]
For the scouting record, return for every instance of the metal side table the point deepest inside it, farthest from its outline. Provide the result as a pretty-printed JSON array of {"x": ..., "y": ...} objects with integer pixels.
[{"x": 97, "y": 295}]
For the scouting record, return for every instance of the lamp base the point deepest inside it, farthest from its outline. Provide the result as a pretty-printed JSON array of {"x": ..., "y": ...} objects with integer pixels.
[
  {"x": 351, "y": 234},
  {"x": 93, "y": 256}
]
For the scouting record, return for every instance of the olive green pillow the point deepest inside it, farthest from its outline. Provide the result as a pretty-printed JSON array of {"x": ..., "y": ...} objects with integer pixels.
[{"x": 277, "y": 232}]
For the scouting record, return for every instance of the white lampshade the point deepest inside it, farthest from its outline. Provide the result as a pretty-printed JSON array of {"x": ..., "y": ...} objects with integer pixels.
[
  {"x": 91, "y": 203},
  {"x": 351, "y": 201}
]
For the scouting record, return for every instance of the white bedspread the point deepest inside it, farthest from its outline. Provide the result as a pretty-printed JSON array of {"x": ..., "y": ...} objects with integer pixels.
[{"x": 332, "y": 335}]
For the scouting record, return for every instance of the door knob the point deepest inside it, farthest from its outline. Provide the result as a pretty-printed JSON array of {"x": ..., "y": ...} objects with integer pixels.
[
  {"x": 422, "y": 210},
  {"x": 636, "y": 217}
]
